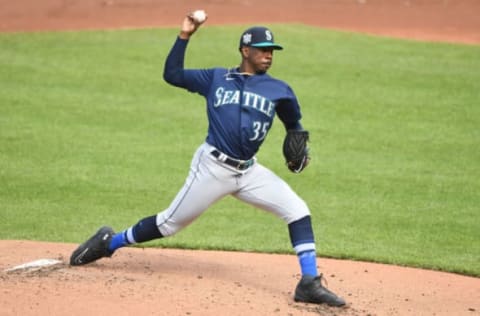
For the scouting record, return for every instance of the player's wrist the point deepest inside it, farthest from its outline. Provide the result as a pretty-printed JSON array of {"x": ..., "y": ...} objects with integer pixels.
[{"x": 184, "y": 35}]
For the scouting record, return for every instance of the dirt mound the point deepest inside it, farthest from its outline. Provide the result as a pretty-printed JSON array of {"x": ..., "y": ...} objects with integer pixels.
[{"x": 182, "y": 282}]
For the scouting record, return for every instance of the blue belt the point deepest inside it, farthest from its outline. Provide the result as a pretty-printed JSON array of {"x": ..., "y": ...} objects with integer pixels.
[{"x": 237, "y": 164}]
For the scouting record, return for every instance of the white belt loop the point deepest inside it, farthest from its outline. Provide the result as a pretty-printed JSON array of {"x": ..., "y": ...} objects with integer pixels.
[{"x": 222, "y": 157}]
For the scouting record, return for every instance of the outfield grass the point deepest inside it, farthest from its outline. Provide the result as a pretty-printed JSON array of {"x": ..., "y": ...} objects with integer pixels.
[{"x": 90, "y": 135}]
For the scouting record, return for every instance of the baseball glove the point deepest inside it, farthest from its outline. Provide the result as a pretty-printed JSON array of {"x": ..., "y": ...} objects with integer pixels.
[{"x": 295, "y": 150}]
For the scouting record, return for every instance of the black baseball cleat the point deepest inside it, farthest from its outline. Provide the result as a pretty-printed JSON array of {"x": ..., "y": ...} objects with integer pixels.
[
  {"x": 94, "y": 248},
  {"x": 311, "y": 290}
]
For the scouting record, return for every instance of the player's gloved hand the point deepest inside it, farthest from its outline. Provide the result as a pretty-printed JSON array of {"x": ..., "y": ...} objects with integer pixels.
[{"x": 295, "y": 150}]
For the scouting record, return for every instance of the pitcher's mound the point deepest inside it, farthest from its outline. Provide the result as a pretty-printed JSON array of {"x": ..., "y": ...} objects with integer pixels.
[{"x": 154, "y": 281}]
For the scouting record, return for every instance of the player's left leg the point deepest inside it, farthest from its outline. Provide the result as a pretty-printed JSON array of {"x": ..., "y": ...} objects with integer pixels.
[{"x": 263, "y": 189}]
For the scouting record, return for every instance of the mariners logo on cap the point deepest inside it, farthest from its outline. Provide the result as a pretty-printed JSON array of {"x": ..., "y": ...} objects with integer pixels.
[
  {"x": 247, "y": 38},
  {"x": 268, "y": 35}
]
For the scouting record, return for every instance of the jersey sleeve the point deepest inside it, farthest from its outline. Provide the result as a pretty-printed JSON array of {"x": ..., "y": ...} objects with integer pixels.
[
  {"x": 198, "y": 80},
  {"x": 288, "y": 110},
  {"x": 194, "y": 80}
]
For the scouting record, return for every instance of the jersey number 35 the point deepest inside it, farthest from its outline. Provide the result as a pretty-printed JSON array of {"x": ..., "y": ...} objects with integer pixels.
[{"x": 260, "y": 130}]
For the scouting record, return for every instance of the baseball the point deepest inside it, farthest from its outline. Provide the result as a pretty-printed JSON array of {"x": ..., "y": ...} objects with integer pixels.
[{"x": 199, "y": 16}]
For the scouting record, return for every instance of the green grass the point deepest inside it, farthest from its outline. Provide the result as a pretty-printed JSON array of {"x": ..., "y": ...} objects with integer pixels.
[{"x": 90, "y": 135}]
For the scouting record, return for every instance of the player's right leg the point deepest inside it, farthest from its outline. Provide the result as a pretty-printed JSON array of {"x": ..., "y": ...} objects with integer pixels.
[{"x": 206, "y": 183}]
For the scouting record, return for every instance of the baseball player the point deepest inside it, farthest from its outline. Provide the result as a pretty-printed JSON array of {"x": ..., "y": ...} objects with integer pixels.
[{"x": 241, "y": 104}]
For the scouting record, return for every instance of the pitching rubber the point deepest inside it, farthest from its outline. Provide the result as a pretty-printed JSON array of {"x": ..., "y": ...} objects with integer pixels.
[{"x": 35, "y": 265}]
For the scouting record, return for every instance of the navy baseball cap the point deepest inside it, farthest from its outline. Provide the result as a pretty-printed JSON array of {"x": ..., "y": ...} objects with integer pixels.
[{"x": 258, "y": 36}]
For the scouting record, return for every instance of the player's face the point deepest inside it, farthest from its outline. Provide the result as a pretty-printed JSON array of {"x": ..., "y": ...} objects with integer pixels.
[{"x": 259, "y": 59}]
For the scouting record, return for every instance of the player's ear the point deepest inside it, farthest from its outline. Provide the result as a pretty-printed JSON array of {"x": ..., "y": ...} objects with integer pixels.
[{"x": 244, "y": 50}]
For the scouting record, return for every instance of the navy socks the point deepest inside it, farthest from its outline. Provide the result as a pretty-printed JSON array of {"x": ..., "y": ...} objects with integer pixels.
[
  {"x": 145, "y": 230},
  {"x": 303, "y": 241}
]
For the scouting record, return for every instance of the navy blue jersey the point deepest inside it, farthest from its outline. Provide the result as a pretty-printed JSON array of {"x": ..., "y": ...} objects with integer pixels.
[{"x": 240, "y": 107}]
